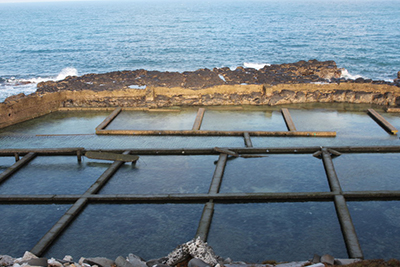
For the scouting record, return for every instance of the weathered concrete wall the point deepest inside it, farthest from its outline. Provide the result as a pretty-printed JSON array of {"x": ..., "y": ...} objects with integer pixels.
[
  {"x": 17, "y": 109},
  {"x": 28, "y": 107}
]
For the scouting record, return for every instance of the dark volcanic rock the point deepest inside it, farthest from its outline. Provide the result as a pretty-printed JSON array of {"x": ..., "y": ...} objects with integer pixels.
[
  {"x": 299, "y": 72},
  {"x": 312, "y": 71}
]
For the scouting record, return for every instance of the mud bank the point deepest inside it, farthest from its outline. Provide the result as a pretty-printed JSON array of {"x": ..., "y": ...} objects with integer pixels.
[{"x": 301, "y": 82}]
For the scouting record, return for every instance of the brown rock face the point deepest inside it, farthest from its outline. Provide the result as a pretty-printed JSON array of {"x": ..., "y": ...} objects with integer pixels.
[{"x": 293, "y": 73}]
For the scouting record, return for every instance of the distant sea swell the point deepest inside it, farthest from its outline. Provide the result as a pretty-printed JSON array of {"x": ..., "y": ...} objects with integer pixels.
[{"x": 49, "y": 41}]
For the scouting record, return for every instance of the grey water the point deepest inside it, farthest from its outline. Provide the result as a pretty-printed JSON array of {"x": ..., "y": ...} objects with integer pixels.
[
  {"x": 377, "y": 225},
  {"x": 163, "y": 175},
  {"x": 55, "y": 175},
  {"x": 276, "y": 231},
  {"x": 23, "y": 225},
  {"x": 368, "y": 172},
  {"x": 274, "y": 173},
  {"x": 259, "y": 231},
  {"x": 148, "y": 230},
  {"x": 352, "y": 124}
]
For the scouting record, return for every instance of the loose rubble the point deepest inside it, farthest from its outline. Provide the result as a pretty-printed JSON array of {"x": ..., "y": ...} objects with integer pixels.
[{"x": 195, "y": 253}]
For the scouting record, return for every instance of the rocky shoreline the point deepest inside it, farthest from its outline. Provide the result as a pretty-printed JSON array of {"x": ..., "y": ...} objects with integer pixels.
[
  {"x": 301, "y": 82},
  {"x": 301, "y": 72},
  {"x": 195, "y": 253}
]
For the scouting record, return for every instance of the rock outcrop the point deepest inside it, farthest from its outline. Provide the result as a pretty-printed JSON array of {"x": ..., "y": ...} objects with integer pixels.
[
  {"x": 311, "y": 71},
  {"x": 302, "y": 72},
  {"x": 300, "y": 82}
]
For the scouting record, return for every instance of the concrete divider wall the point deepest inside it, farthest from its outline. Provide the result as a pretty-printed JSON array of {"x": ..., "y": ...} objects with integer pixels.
[
  {"x": 21, "y": 108},
  {"x": 28, "y": 107}
]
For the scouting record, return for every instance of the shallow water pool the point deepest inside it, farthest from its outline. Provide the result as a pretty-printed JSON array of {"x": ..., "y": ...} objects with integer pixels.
[
  {"x": 378, "y": 227},
  {"x": 163, "y": 175},
  {"x": 368, "y": 172},
  {"x": 257, "y": 232},
  {"x": 22, "y": 226},
  {"x": 110, "y": 230},
  {"x": 54, "y": 175},
  {"x": 275, "y": 173}
]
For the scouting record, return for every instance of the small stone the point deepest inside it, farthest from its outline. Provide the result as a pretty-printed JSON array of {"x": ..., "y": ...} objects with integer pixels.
[
  {"x": 196, "y": 248},
  {"x": 28, "y": 255},
  {"x": 228, "y": 261},
  {"x": 345, "y": 261},
  {"x": 101, "y": 262},
  {"x": 122, "y": 262},
  {"x": 68, "y": 258},
  {"x": 293, "y": 264},
  {"x": 54, "y": 263},
  {"x": 6, "y": 260},
  {"x": 136, "y": 261},
  {"x": 328, "y": 259},
  {"x": 160, "y": 261},
  {"x": 316, "y": 259},
  {"x": 160, "y": 265},
  {"x": 81, "y": 261},
  {"x": 38, "y": 262},
  {"x": 197, "y": 263}
]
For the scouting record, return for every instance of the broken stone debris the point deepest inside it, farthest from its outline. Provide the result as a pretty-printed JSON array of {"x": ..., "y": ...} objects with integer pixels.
[
  {"x": 196, "y": 253},
  {"x": 195, "y": 248}
]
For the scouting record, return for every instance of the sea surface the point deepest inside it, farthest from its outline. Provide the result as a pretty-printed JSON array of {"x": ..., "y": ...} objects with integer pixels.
[{"x": 51, "y": 40}]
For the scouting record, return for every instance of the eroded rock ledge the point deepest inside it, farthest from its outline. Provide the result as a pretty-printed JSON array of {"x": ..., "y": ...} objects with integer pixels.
[
  {"x": 301, "y": 72},
  {"x": 300, "y": 82}
]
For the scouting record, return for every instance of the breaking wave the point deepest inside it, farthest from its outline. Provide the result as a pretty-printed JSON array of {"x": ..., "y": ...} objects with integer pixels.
[
  {"x": 256, "y": 66},
  {"x": 66, "y": 72},
  {"x": 13, "y": 86},
  {"x": 347, "y": 75}
]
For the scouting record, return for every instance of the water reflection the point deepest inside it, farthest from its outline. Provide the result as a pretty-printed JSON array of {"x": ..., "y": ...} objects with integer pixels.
[
  {"x": 276, "y": 231},
  {"x": 6, "y": 162},
  {"x": 22, "y": 226},
  {"x": 144, "y": 120},
  {"x": 247, "y": 120},
  {"x": 163, "y": 175},
  {"x": 54, "y": 175},
  {"x": 148, "y": 230},
  {"x": 71, "y": 122},
  {"x": 275, "y": 173},
  {"x": 368, "y": 172},
  {"x": 377, "y": 225}
]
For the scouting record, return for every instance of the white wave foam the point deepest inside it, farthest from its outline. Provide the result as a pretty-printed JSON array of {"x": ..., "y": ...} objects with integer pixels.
[
  {"x": 256, "y": 66},
  {"x": 7, "y": 90},
  {"x": 61, "y": 76},
  {"x": 66, "y": 72},
  {"x": 347, "y": 75},
  {"x": 14, "y": 86}
]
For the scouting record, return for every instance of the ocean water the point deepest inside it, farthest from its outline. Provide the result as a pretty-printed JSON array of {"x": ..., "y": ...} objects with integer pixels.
[{"x": 51, "y": 40}]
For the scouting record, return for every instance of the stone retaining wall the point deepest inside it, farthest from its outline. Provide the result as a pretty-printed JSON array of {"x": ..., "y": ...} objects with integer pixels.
[{"x": 20, "y": 108}]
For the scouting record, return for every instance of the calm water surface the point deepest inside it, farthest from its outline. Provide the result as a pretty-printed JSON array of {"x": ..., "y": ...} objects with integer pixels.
[
  {"x": 142, "y": 229},
  {"x": 260, "y": 231}
]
